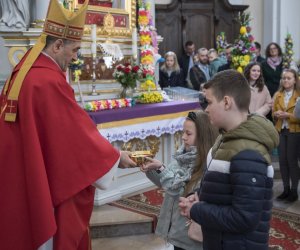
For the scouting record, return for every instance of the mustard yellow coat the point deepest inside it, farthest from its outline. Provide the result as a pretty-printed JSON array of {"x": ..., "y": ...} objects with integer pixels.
[{"x": 294, "y": 124}]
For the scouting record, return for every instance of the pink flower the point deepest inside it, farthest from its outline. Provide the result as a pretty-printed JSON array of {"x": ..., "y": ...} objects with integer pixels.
[{"x": 251, "y": 38}]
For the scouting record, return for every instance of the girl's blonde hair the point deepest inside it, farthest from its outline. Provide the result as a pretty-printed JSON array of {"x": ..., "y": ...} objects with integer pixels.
[
  {"x": 176, "y": 65},
  {"x": 296, "y": 76},
  {"x": 205, "y": 139}
]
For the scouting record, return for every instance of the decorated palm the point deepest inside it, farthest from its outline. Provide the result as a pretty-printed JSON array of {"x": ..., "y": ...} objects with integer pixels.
[
  {"x": 288, "y": 53},
  {"x": 244, "y": 47}
]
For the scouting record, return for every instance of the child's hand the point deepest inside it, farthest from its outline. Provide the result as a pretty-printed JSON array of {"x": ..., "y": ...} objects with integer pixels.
[
  {"x": 185, "y": 204},
  {"x": 281, "y": 114},
  {"x": 151, "y": 164}
]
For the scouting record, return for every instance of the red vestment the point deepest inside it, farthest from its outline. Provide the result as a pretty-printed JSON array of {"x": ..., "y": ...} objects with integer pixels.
[{"x": 49, "y": 158}]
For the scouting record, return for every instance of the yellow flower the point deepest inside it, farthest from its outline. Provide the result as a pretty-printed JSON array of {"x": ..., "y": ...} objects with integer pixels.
[
  {"x": 143, "y": 20},
  {"x": 243, "y": 30},
  {"x": 247, "y": 58},
  {"x": 240, "y": 69},
  {"x": 243, "y": 63}
]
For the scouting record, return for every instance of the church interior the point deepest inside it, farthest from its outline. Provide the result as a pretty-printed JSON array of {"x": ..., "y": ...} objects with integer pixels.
[{"x": 142, "y": 115}]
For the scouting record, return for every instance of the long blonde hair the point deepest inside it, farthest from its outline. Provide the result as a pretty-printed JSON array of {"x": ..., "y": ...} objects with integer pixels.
[
  {"x": 206, "y": 136},
  {"x": 296, "y": 76},
  {"x": 176, "y": 67}
]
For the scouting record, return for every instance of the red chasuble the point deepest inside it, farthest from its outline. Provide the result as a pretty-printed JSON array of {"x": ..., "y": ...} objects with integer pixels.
[{"x": 49, "y": 158}]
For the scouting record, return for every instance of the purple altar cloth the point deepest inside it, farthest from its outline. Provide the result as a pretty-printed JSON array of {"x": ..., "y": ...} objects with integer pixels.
[{"x": 142, "y": 110}]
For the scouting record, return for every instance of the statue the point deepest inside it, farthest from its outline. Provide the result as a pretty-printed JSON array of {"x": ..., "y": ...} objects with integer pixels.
[{"x": 15, "y": 15}]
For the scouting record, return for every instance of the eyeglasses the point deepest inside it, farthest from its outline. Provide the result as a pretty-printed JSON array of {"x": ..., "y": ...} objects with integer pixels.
[
  {"x": 273, "y": 48},
  {"x": 192, "y": 116}
]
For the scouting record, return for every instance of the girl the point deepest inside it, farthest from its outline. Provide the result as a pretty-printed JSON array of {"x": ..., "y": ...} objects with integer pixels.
[
  {"x": 181, "y": 177},
  {"x": 261, "y": 101},
  {"x": 289, "y": 128},
  {"x": 170, "y": 75}
]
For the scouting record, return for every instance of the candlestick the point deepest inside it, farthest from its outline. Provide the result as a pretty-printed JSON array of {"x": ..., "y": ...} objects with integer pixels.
[{"x": 94, "y": 49}]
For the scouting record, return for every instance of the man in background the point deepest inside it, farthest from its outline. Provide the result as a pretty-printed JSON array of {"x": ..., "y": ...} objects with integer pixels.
[
  {"x": 199, "y": 73},
  {"x": 186, "y": 62},
  {"x": 258, "y": 57},
  {"x": 227, "y": 65}
]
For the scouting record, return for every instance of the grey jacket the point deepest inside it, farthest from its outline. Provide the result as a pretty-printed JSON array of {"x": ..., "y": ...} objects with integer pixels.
[{"x": 171, "y": 225}]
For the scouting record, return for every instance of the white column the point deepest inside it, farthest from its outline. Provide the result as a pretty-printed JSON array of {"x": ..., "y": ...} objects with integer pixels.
[{"x": 41, "y": 7}]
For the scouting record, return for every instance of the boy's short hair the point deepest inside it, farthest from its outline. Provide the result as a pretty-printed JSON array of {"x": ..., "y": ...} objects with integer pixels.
[{"x": 231, "y": 83}]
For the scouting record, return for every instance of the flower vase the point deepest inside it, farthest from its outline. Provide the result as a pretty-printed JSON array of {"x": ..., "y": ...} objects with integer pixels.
[
  {"x": 126, "y": 92},
  {"x": 123, "y": 92}
]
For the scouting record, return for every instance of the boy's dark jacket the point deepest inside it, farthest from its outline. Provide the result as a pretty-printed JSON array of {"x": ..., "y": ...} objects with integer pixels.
[{"x": 236, "y": 196}]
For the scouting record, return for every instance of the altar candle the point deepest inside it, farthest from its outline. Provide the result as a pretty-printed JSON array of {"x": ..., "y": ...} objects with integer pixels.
[
  {"x": 134, "y": 43},
  {"x": 94, "y": 33},
  {"x": 94, "y": 40}
]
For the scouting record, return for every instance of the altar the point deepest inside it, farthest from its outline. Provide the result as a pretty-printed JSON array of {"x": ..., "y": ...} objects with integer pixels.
[{"x": 155, "y": 127}]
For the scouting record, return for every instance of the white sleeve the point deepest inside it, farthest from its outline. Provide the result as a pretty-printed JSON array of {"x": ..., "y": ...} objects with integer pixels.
[{"x": 105, "y": 181}]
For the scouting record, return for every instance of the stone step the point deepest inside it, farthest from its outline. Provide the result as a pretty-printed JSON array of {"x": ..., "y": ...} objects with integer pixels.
[{"x": 111, "y": 221}]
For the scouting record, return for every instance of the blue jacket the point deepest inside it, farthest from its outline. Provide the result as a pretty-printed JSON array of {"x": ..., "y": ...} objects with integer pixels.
[{"x": 236, "y": 195}]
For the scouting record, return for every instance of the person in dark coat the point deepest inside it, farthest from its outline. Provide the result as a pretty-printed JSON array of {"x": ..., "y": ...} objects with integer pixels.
[
  {"x": 258, "y": 57},
  {"x": 170, "y": 75},
  {"x": 272, "y": 67},
  {"x": 228, "y": 57},
  {"x": 186, "y": 60},
  {"x": 200, "y": 73}
]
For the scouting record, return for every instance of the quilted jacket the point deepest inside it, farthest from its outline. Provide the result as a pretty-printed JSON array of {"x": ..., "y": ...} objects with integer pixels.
[{"x": 236, "y": 194}]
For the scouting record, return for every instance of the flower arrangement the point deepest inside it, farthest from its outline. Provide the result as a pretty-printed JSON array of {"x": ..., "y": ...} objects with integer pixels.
[
  {"x": 127, "y": 75},
  {"x": 109, "y": 104},
  {"x": 150, "y": 97},
  {"x": 288, "y": 54},
  {"x": 221, "y": 42},
  {"x": 148, "y": 46},
  {"x": 244, "y": 47},
  {"x": 76, "y": 67}
]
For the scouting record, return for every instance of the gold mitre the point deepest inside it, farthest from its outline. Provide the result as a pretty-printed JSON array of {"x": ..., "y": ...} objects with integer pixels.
[
  {"x": 63, "y": 23},
  {"x": 60, "y": 23}
]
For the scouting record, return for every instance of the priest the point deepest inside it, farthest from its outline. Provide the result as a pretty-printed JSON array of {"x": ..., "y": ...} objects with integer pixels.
[{"x": 51, "y": 154}]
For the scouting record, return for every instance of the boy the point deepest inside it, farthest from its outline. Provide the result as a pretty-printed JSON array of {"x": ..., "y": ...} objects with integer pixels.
[
  {"x": 214, "y": 61},
  {"x": 236, "y": 190}
]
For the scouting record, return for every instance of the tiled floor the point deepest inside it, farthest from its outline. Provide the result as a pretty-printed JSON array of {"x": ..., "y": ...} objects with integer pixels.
[{"x": 152, "y": 242}]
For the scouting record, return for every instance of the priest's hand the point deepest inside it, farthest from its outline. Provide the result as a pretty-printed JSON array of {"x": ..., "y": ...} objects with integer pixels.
[{"x": 125, "y": 161}]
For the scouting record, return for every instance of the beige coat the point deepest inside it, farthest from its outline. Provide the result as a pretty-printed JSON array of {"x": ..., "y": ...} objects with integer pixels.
[{"x": 261, "y": 102}]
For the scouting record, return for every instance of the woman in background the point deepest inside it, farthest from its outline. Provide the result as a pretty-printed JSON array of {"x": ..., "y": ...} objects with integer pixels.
[
  {"x": 261, "y": 101},
  {"x": 272, "y": 67},
  {"x": 289, "y": 129},
  {"x": 170, "y": 74}
]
